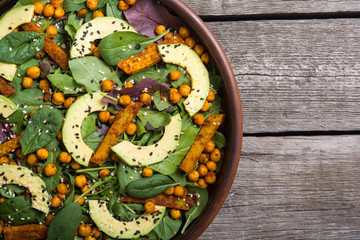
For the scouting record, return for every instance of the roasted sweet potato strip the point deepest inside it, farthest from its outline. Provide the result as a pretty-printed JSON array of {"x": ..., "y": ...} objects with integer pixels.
[
  {"x": 206, "y": 133},
  {"x": 122, "y": 121},
  {"x": 8, "y": 146},
  {"x": 164, "y": 200},
  {"x": 149, "y": 57},
  {"x": 50, "y": 47},
  {"x": 26, "y": 232},
  {"x": 6, "y": 89}
]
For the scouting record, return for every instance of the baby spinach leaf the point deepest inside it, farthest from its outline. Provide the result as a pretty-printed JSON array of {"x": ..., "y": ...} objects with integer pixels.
[
  {"x": 73, "y": 5},
  {"x": 65, "y": 224},
  {"x": 127, "y": 211},
  {"x": 90, "y": 71},
  {"x": 71, "y": 193},
  {"x": 113, "y": 11},
  {"x": 140, "y": 129},
  {"x": 215, "y": 81},
  {"x": 215, "y": 107},
  {"x": 20, "y": 211},
  {"x": 168, "y": 227},
  {"x": 88, "y": 125},
  {"x": 10, "y": 190},
  {"x": 184, "y": 79},
  {"x": 19, "y": 47},
  {"x": 27, "y": 2},
  {"x": 93, "y": 140},
  {"x": 161, "y": 103},
  {"x": 125, "y": 175},
  {"x": 65, "y": 83},
  {"x": 196, "y": 210},
  {"x": 122, "y": 45},
  {"x": 147, "y": 73},
  {"x": 21, "y": 72},
  {"x": 41, "y": 129},
  {"x": 154, "y": 118},
  {"x": 219, "y": 140}
]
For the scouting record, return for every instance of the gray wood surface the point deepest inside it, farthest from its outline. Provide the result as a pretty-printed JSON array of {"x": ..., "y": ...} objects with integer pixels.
[
  {"x": 295, "y": 75},
  {"x": 293, "y": 188},
  {"x": 255, "y": 7}
]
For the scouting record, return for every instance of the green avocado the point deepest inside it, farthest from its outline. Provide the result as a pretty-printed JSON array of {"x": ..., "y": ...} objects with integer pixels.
[
  {"x": 7, "y": 107},
  {"x": 186, "y": 58},
  {"x": 22, "y": 176},
  {"x": 11, "y": 20},
  {"x": 135, "y": 155},
  {"x": 97, "y": 28},
  {"x": 121, "y": 229},
  {"x": 71, "y": 131}
]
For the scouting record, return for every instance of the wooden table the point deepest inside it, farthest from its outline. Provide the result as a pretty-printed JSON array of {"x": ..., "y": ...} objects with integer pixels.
[{"x": 297, "y": 65}]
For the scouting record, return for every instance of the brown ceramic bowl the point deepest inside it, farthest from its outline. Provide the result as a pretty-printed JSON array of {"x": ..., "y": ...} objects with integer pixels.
[{"x": 231, "y": 106}]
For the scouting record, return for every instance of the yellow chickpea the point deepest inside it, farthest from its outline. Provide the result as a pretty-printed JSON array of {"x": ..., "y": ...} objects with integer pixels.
[
  {"x": 131, "y": 129},
  {"x": 125, "y": 100},
  {"x": 64, "y": 157},
  {"x": 38, "y": 169},
  {"x": 68, "y": 102},
  {"x": 204, "y": 158},
  {"x": 33, "y": 72},
  {"x": 97, "y": 14},
  {"x": 2, "y": 199},
  {"x": 59, "y": 13},
  {"x": 103, "y": 173},
  {"x": 13, "y": 163},
  {"x": 104, "y": 116},
  {"x": 169, "y": 35},
  {"x": 149, "y": 207},
  {"x": 92, "y": 4},
  {"x": 82, "y": 12},
  {"x": 49, "y": 10},
  {"x": 160, "y": 29},
  {"x": 199, "y": 49},
  {"x": 4, "y": 160},
  {"x": 180, "y": 191},
  {"x": 205, "y": 58},
  {"x": 193, "y": 176},
  {"x": 211, "y": 96},
  {"x": 55, "y": 202},
  {"x": 27, "y": 82},
  {"x": 190, "y": 42},
  {"x": 44, "y": 85},
  {"x": 61, "y": 196},
  {"x": 80, "y": 201},
  {"x": 202, "y": 169},
  {"x": 201, "y": 182},
  {"x": 130, "y": 2},
  {"x": 95, "y": 232},
  {"x": 170, "y": 191},
  {"x": 184, "y": 32},
  {"x": 39, "y": 8},
  {"x": 175, "y": 75},
  {"x": 59, "y": 136},
  {"x": 175, "y": 97},
  {"x": 123, "y": 6},
  {"x": 147, "y": 172},
  {"x": 52, "y": 31},
  {"x": 199, "y": 119},
  {"x": 145, "y": 98},
  {"x": 42, "y": 154},
  {"x": 90, "y": 237},
  {"x": 107, "y": 85},
  {"x": 111, "y": 119},
  {"x": 48, "y": 219},
  {"x": 210, "y": 146},
  {"x": 96, "y": 52},
  {"x": 84, "y": 230},
  {"x": 85, "y": 188},
  {"x": 74, "y": 165},
  {"x": 185, "y": 90},
  {"x": 62, "y": 188},
  {"x": 114, "y": 158},
  {"x": 128, "y": 85},
  {"x": 210, "y": 178},
  {"x": 211, "y": 166},
  {"x": 56, "y": 3},
  {"x": 58, "y": 98},
  {"x": 40, "y": 55},
  {"x": 206, "y": 106},
  {"x": 80, "y": 181},
  {"x": 215, "y": 155},
  {"x": 19, "y": 154},
  {"x": 50, "y": 169},
  {"x": 32, "y": 159},
  {"x": 175, "y": 213}
]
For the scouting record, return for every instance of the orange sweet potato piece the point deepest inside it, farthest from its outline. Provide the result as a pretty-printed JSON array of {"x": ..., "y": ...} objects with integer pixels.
[
  {"x": 164, "y": 200},
  {"x": 5, "y": 88},
  {"x": 10, "y": 145},
  {"x": 206, "y": 133},
  {"x": 149, "y": 57},
  {"x": 25, "y": 232},
  {"x": 122, "y": 121},
  {"x": 50, "y": 47}
]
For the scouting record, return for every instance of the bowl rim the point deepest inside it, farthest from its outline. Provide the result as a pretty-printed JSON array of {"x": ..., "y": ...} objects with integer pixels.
[{"x": 233, "y": 106}]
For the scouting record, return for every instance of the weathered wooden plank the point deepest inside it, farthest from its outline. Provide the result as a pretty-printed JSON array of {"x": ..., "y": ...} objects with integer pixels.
[
  {"x": 293, "y": 188},
  {"x": 255, "y": 7},
  {"x": 299, "y": 75}
]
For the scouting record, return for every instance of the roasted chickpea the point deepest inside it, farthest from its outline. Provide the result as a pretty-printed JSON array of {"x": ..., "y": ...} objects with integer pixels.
[
  {"x": 199, "y": 49},
  {"x": 201, "y": 182},
  {"x": 39, "y": 7},
  {"x": 147, "y": 172},
  {"x": 84, "y": 230},
  {"x": 193, "y": 176},
  {"x": 180, "y": 191},
  {"x": 211, "y": 96},
  {"x": 169, "y": 35},
  {"x": 33, "y": 72},
  {"x": 210, "y": 146},
  {"x": 59, "y": 13},
  {"x": 123, "y": 6},
  {"x": 184, "y": 32},
  {"x": 205, "y": 58},
  {"x": 175, "y": 97},
  {"x": 85, "y": 188},
  {"x": 202, "y": 169},
  {"x": 107, "y": 85},
  {"x": 175, "y": 75},
  {"x": 96, "y": 52},
  {"x": 125, "y": 100},
  {"x": 190, "y": 42},
  {"x": 92, "y": 4},
  {"x": 2, "y": 199},
  {"x": 61, "y": 196},
  {"x": 13, "y": 163},
  {"x": 31, "y": 159},
  {"x": 111, "y": 119},
  {"x": 210, "y": 178},
  {"x": 175, "y": 213},
  {"x": 50, "y": 169},
  {"x": 204, "y": 158},
  {"x": 62, "y": 188},
  {"x": 131, "y": 129},
  {"x": 128, "y": 85},
  {"x": 4, "y": 160},
  {"x": 114, "y": 158},
  {"x": 74, "y": 165},
  {"x": 211, "y": 166},
  {"x": 58, "y": 98},
  {"x": 68, "y": 102},
  {"x": 145, "y": 98},
  {"x": 27, "y": 82},
  {"x": 48, "y": 219},
  {"x": 38, "y": 169},
  {"x": 185, "y": 90},
  {"x": 199, "y": 119},
  {"x": 170, "y": 191},
  {"x": 16, "y": 30},
  {"x": 215, "y": 155},
  {"x": 56, "y": 3},
  {"x": 55, "y": 202},
  {"x": 104, "y": 116},
  {"x": 95, "y": 232},
  {"x": 52, "y": 31},
  {"x": 40, "y": 54},
  {"x": 49, "y": 10},
  {"x": 206, "y": 106},
  {"x": 130, "y": 2},
  {"x": 80, "y": 181},
  {"x": 82, "y": 12},
  {"x": 80, "y": 201},
  {"x": 149, "y": 207},
  {"x": 173, "y": 90},
  {"x": 92, "y": 48},
  {"x": 44, "y": 85},
  {"x": 160, "y": 29},
  {"x": 103, "y": 173},
  {"x": 98, "y": 13},
  {"x": 19, "y": 154}
]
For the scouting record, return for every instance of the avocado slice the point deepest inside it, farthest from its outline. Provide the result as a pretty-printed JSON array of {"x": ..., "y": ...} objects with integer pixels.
[
  {"x": 7, "y": 107},
  {"x": 97, "y": 28},
  {"x": 147, "y": 155},
  {"x": 22, "y": 176},
  {"x": 124, "y": 229},
  {"x": 186, "y": 58},
  {"x": 71, "y": 130},
  {"x": 11, "y": 20}
]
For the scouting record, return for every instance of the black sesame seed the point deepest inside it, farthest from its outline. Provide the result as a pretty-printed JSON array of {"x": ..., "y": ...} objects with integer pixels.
[
  {"x": 151, "y": 154},
  {"x": 137, "y": 46}
]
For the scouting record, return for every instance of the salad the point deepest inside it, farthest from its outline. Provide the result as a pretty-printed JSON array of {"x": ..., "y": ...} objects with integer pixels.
[{"x": 109, "y": 121}]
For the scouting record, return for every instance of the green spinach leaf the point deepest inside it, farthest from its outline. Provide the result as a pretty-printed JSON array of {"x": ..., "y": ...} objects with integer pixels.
[
  {"x": 93, "y": 140},
  {"x": 125, "y": 175},
  {"x": 184, "y": 79},
  {"x": 65, "y": 83},
  {"x": 71, "y": 193},
  {"x": 88, "y": 126},
  {"x": 113, "y": 11},
  {"x": 74, "y": 5},
  {"x": 154, "y": 118},
  {"x": 21, "y": 73},
  {"x": 10, "y": 190},
  {"x": 168, "y": 227},
  {"x": 219, "y": 140},
  {"x": 147, "y": 73},
  {"x": 127, "y": 211},
  {"x": 161, "y": 104}
]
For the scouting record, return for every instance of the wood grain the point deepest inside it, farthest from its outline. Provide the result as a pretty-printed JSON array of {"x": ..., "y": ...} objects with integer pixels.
[
  {"x": 299, "y": 75},
  {"x": 256, "y": 7},
  {"x": 293, "y": 188}
]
